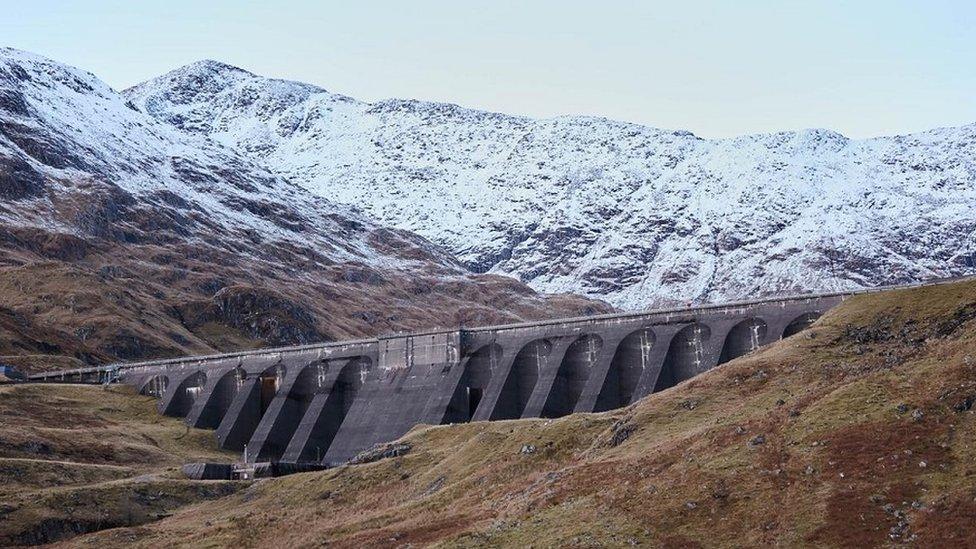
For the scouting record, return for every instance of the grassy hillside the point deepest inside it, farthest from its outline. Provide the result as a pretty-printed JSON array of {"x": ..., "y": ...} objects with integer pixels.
[
  {"x": 858, "y": 432},
  {"x": 125, "y": 303},
  {"x": 82, "y": 458}
]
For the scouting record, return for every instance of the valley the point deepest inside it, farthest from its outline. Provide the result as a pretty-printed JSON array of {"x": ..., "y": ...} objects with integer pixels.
[{"x": 857, "y": 430}]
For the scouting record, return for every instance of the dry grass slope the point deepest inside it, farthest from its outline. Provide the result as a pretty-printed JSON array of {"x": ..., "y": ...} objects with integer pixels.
[
  {"x": 76, "y": 459},
  {"x": 857, "y": 432},
  {"x": 133, "y": 303}
]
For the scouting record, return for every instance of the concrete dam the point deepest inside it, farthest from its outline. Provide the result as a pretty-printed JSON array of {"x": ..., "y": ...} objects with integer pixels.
[{"x": 330, "y": 401}]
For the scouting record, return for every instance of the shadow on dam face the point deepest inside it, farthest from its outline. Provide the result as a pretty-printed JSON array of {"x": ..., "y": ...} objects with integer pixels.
[
  {"x": 685, "y": 358},
  {"x": 253, "y": 397},
  {"x": 522, "y": 379},
  {"x": 156, "y": 386},
  {"x": 630, "y": 360},
  {"x": 743, "y": 338},
  {"x": 800, "y": 323},
  {"x": 337, "y": 398},
  {"x": 572, "y": 375},
  {"x": 186, "y": 393},
  {"x": 295, "y": 403},
  {"x": 220, "y": 399},
  {"x": 474, "y": 382}
]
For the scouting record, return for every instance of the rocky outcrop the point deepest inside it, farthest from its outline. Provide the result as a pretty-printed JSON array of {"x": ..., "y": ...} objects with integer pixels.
[
  {"x": 258, "y": 313},
  {"x": 18, "y": 180}
]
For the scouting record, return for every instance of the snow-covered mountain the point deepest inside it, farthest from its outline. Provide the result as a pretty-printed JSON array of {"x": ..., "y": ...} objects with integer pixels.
[
  {"x": 124, "y": 237},
  {"x": 635, "y": 215},
  {"x": 68, "y": 140}
]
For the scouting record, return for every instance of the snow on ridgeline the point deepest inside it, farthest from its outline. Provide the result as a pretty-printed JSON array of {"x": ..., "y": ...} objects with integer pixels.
[
  {"x": 64, "y": 133},
  {"x": 635, "y": 215}
]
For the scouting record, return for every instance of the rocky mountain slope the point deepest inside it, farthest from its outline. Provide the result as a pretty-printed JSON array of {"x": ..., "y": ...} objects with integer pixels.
[
  {"x": 124, "y": 237},
  {"x": 635, "y": 215},
  {"x": 855, "y": 433}
]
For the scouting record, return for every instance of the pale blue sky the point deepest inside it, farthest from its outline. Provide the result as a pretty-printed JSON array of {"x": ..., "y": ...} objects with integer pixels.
[{"x": 716, "y": 68}]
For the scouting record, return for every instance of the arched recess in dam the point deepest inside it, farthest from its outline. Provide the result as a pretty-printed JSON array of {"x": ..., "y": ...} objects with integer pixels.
[
  {"x": 800, "y": 323},
  {"x": 522, "y": 379},
  {"x": 743, "y": 338},
  {"x": 571, "y": 377},
  {"x": 308, "y": 383},
  {"x": 156, "y": 386},
  {"x": 250, "y": 402},
  {"x": 186, "y": 393},
  {"x": 330, "y": 403},
  {"x": 268, "y": 384},
  {"x": 477, "y": 374},
  {"x": 629, "y": 362},
  {"x": 685, "y": 358},
  {"x": 219, "y": 399}
]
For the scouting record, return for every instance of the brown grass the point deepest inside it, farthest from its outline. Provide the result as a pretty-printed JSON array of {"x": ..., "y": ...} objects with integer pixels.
[
  {"x": 868, "y": 442},
  {"x": 140, "y": 302},
  {"x": 81, "y": 458}
]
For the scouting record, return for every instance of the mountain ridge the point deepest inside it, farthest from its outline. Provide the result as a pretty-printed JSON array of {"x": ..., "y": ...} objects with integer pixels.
[
  {"x": 635, "y": 215},
  {"x": 126, "y": 238},
  {"x": 134, "y": 89}
]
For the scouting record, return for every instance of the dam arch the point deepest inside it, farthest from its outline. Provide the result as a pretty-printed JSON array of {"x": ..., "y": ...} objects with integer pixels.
[
  {"x": 686, "y": 356},
  {"x": 743, "y": 338},
  {"x": 186, "y": 393},
  {"x": 336, "y": 385},
  {"x": 522, "y": 379},
  {"x": 269, "y": 383},
  {"x": 572, "y": 375},
  {"x": 252, "y": 399},
  {"x": 474, "y": 382},
  {"x": 285, "y": 421},
  {"x": 800, "y": 323},
  {"x": 156, "y": 386},
  {"x": 208, "y": 414},
  {"x": 631, "y": 358}
]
